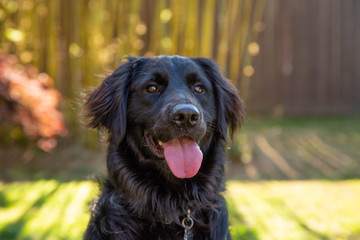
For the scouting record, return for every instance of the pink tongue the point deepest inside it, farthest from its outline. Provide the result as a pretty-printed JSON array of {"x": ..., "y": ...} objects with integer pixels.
[{"x": 183, "y": 157}]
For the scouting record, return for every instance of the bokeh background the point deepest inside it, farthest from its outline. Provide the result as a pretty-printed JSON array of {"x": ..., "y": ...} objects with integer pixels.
[{"x": 294, "y": 167}]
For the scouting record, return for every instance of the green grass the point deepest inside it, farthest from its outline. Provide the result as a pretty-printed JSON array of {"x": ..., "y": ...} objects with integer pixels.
[
  {"x": 44, "y": 209},
  {"x": 257, "y": 210},
  {"x": 295, "y": 210}
]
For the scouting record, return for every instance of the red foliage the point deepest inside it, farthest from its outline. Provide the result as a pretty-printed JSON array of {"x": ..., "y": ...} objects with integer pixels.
[{"x": 29, "y": 99}]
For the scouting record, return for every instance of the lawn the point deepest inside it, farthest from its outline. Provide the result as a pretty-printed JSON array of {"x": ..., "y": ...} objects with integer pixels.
[
  {"x": 278, "y": 210},
  {"x": 316, "y": 195},
  {"x": 44, "y": 209},
  {"x": 303, "y": 210}
]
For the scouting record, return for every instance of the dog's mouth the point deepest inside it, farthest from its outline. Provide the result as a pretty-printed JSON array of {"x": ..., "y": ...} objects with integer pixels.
[{"x": 182, "y": 154}]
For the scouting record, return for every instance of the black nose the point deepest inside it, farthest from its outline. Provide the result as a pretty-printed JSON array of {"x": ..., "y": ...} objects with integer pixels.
[{"x": 185, "y": 115}]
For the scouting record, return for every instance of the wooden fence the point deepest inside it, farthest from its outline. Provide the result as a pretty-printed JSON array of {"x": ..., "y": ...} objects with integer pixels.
[{"x": 309, "y": 59}]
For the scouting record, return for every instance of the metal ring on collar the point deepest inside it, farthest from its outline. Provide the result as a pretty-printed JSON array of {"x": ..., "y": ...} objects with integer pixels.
[{"x": 187, "y": 220}]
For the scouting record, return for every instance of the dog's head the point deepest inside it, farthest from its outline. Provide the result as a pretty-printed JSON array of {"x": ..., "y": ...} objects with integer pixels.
[{"x": 170, "y": 107}]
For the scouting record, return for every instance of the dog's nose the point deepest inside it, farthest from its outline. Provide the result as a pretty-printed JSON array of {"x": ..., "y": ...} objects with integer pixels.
[{"x": 185, "y": 115}]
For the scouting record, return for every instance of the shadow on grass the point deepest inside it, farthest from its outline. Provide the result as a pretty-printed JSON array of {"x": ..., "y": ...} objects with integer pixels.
[
  {"x": 3, "y": 200},
  {"x": 305, "y": 227},
  {"x": 14, "y": 229},
  {"x": 238, "y": 228}
]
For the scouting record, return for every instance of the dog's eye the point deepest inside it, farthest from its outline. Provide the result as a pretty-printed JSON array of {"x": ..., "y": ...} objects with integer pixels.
[
  {"x": 198, "y": 89},
  {"x": 152, "y": 88}
]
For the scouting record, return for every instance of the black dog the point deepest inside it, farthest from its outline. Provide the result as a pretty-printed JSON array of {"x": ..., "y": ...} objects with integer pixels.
[{"x": 167, "y": 119}]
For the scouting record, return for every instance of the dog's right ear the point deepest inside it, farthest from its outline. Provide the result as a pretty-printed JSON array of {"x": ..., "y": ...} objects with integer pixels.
[{"x": 107, "y": 105}]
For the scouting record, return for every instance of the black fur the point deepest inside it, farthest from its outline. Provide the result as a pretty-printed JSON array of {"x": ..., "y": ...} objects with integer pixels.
[{"x": 142, "y": 199}]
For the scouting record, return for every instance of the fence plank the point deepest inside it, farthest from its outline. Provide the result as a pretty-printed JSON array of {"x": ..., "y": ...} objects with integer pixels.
[{"x": 356, "y": 48}]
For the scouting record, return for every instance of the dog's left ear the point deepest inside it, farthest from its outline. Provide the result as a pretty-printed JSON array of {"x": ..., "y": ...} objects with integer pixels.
[
  {"x": 230, "y": 110},
  {"x": 107, "y": 105}
]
